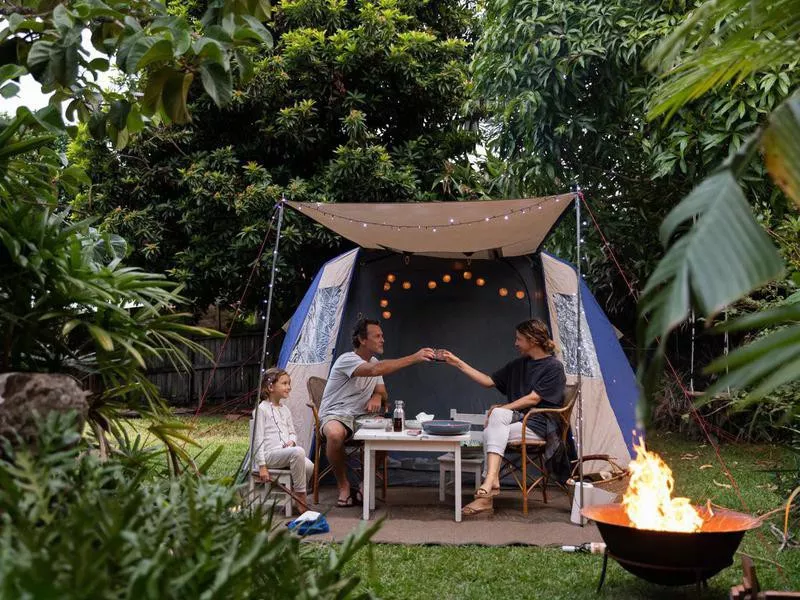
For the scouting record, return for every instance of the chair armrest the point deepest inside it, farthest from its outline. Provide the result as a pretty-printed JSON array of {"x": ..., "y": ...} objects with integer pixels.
[{"x": 315, "y": 413}]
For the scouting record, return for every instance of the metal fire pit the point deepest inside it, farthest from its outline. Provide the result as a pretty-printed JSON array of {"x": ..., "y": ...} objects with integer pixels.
[{"x": 668, "y": 557}]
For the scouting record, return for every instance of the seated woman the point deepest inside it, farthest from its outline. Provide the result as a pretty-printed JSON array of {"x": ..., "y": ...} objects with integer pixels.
[{"x": 537, "y": 378}]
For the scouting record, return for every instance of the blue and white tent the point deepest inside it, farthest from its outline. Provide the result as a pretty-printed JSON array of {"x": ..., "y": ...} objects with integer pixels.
[{"x": 458, "y": 276}]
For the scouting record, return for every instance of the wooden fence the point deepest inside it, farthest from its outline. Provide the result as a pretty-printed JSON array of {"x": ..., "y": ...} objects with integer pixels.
[{"x": 234, "y": 380}]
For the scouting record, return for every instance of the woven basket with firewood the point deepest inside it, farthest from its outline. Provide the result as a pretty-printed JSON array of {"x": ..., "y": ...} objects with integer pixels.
[{"x": 609, "y": 475}]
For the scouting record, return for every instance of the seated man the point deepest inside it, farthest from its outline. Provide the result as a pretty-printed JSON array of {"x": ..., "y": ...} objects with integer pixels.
[{"x": 355, "y": 388}]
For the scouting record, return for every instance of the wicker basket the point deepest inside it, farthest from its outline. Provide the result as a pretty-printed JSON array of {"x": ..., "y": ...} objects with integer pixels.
[{"x": 616, "y": 484}]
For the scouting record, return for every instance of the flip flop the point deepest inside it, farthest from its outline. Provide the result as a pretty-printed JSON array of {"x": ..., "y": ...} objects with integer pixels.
[
  {"x": 354, "y": 499},
  {"x": 483, "y": 493}
]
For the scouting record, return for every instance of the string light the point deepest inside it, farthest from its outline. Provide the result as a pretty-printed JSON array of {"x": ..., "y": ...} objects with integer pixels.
[
  {"x": 446, "y": 278},
  {"x": 387, "y": 286},
  {"x": 451, "y": 222},
  {"x": 520, "y": 294},
  {"x": 480, "y": 282},
  {"x": 467, "y": 275},
  {"x": 386, "y": 314},
  {"x": 406, "y": 285},
  {"x": 391, "y": 278},
  {"x": 384, "y": 303},
  {"x": 431, "y": 285},
  {"x": 503, "y": 292}
]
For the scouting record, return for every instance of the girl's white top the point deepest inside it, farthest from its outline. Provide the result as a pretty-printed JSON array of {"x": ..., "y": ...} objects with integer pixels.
[{"x": 274, "y": 430}]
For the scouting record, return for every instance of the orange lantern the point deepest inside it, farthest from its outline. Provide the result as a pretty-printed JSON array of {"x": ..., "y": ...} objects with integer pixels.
[
  {"x": 387, "y": 287},
  {"x": 384, "y": 303},
  {"x": 503, "y": 292},
  {"x": 390, "y": 278},
  {"x": 520, "y": 294},
  {"x": 406, "y": 285},
  {"x": 431, "y": 285},
  {"x": 446, "y": 278},
  {"x": 386, "y": 314},
  {"x": 480, "y": 282},
  {"x": 467, "y": 274}
]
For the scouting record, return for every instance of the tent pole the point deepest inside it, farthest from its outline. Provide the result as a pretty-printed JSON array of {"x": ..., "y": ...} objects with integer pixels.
[
  {"x": 261, "y": 369},
  {"x": 578, "y": 349}
]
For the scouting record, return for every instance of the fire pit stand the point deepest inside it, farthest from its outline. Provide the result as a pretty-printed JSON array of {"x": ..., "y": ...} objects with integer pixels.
[
  {"x": 670, "y": 557},
  {"x": 655, "y": 572}
]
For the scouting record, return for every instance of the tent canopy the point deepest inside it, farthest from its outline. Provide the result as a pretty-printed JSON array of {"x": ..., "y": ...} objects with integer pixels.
[{"x": 479, "y": 229}]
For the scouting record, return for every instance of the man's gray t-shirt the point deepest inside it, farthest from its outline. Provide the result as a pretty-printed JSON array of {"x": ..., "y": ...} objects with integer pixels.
[{"x": 345, "y": 395}]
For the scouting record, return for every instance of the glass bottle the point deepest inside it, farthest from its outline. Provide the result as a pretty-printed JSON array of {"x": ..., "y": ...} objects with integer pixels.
[{"x": 399, "y": 416}]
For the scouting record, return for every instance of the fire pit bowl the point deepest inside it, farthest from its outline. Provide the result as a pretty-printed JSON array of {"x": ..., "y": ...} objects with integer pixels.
[{"x": 669, "y": 557}]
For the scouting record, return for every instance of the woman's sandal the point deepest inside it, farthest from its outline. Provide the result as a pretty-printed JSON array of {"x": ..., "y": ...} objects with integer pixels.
[
  {"x": 482, "y": 492},
  {"x": 475, "y": 511}
]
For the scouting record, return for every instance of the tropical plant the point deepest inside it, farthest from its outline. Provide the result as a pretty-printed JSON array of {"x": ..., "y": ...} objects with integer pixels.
[
  {"x": 67, "y": 302},
  {"x": 357, "y": 102},
  {"x": 565, "y": 94},
  {"x": 716, "y": 250},
  {"x": 72, "y": 526}
]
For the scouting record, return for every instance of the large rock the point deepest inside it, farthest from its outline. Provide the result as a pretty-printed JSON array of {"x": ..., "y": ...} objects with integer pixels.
[{"x": 23, "y": 396}]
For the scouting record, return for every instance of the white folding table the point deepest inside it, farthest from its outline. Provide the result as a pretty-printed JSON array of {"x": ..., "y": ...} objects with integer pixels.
[{"x": 378, "y": 439}]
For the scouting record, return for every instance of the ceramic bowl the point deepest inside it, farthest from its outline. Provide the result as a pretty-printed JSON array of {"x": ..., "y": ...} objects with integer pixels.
[{"x": 436, "y": 427}]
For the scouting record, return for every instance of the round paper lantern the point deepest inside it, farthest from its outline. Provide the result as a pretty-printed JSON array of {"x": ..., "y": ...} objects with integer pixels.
[
  {"x": 520, "y": 294},
  {"x": 390, "y": 278},
  {"x": 480, "y": 282},
  {"x": 384, "y": 303},
  {"x": 386, "y": 314},
  {"x": 467, "y": 274},
  {"x": 446, "y": 278},
  {"x": 503, "y": 292},
  {"x": 406, "y": 285},
  {"x": 431, "y": 285},
  {"x": 387, "y": 287}
]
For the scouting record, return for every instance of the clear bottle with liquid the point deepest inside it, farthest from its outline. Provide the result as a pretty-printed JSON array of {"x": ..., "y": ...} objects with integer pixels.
[{"x": 399, "y": 416}]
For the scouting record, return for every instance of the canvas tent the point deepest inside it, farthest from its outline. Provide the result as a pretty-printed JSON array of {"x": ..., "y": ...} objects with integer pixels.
[{"x": 473, "y": 271}]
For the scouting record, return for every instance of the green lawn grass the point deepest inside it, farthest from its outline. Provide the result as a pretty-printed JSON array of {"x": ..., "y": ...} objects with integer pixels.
[{"x": 485, "y": 573}]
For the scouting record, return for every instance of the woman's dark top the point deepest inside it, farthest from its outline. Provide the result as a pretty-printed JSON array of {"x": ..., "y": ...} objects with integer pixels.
[{"x": 524, "y": 375}]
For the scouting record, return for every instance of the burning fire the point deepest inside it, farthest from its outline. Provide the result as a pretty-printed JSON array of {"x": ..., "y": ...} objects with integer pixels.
[{"x": 648, "y": 500}]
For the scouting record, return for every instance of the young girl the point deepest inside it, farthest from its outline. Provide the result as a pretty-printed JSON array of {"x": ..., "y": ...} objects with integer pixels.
[{"x": 275, "y": 440}]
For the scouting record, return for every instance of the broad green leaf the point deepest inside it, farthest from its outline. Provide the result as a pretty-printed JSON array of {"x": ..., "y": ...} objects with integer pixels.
[
  {"x": 173, "y": 97},
  {"x": 9, "y": 90},
  {"x": 154, "y": 89},
  {"x": 782, "y": 147},
  {"x": 216, "y": 82},
  {"x": 728, "y": 253},
  {"x": 148, "y": 50},
  {"x": 62, "y": 18},
  {"x": 118, "y": 113},
  {"x": 11, "y": 71}
]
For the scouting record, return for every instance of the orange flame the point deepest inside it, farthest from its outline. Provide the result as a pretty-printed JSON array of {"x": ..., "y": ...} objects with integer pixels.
[{"x": 648, "y": 500}]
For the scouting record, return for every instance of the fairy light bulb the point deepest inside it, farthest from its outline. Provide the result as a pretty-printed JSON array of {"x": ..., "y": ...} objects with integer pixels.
[
  {"x": 503, "y": 292},
  {"x": 387, "y": 286},
  {"x": 480, "y": 282},
  {"x": 386, "y": 314},
  {"x": 384, "y": 303},
  {"x": 446, "y": 278},
  {"x": 406, "y": 285},
  {"x": 467, "y": 274},
  {"x": 520, "y": 294},
  {"x": 391, "y": 278},
  {"x": 431, "y": 285}
]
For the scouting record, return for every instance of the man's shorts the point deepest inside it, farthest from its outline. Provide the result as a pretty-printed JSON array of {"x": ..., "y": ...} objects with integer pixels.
[{"x": 351, "y": 423}]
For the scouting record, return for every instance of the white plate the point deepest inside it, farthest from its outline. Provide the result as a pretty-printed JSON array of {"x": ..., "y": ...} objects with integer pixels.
[{"x": 372, "y": 423}]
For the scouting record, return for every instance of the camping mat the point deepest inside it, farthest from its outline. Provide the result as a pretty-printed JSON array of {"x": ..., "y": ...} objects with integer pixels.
[{"x": 415, "y": 516}]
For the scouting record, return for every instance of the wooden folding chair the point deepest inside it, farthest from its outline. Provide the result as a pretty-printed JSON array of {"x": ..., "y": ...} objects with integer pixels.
[
  {"x": 532, "y": 451},
  {"x": 353, "y": 450}
]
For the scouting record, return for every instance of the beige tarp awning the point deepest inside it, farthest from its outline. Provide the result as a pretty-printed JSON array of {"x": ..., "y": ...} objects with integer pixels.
[{"x": 481, "y": 229}]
